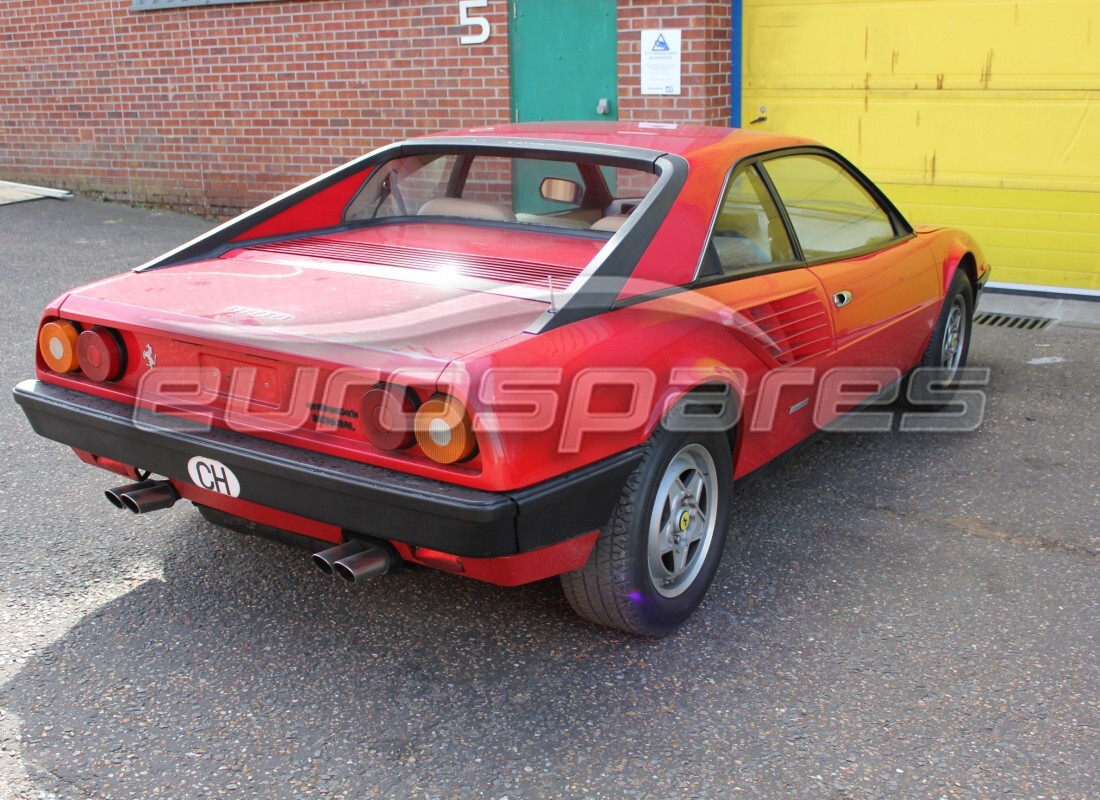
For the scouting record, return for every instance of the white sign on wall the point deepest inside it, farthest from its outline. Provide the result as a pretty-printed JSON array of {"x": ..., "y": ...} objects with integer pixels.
[{"x": 661, "y": 61}]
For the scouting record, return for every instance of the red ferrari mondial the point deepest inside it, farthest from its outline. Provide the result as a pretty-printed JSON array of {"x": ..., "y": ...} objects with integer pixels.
[{"x": 511, "y": 353}]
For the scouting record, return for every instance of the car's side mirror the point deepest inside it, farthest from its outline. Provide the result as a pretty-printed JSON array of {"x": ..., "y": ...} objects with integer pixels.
[{"x": 560, "y": 190}]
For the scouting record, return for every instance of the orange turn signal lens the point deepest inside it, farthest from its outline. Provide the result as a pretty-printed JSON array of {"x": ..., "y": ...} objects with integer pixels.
[
  {"x": 444, "y": 430},
  {"x": 100, "y": 353},
  {"x": 57, "y": 344}
]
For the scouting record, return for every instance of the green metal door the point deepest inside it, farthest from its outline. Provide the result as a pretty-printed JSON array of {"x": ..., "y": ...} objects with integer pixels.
[
  {"x": 564, "y": 59},
  {"x": 564, "y": 62}
]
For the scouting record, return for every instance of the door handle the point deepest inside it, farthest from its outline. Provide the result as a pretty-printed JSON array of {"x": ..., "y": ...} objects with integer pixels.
[
  {"x": 841, "y": 299},
  {"x": 604, "y": 106}
]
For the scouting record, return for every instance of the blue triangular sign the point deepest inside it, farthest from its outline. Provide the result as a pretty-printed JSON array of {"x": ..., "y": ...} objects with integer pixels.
[{"x": 660, "y": 44}]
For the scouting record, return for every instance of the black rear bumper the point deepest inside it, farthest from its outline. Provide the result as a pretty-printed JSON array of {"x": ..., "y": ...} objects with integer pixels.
[{"x": 354, "y": 496}]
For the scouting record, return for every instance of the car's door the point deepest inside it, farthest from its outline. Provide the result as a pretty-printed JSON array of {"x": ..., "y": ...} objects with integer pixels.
[
  {"x": 882, "y": 285},
  {"x": 775, "y": 307}
]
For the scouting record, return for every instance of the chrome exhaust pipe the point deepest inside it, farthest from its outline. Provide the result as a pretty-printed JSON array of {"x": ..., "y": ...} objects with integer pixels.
[
  {"x": 141, "y": 498},
  {"x": 370, "y": 562},
  {"x": 326, "y": 558},
  {"x": 115, "y": 495}
]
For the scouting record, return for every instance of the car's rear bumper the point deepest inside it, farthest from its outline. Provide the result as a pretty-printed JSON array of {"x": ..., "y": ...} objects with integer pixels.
[{"x": 356, "y": 497}]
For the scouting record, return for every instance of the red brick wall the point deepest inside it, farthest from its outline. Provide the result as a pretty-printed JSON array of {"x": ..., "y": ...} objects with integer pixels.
[
  {"x": 216, "y": 108},
  {"x": 705, "y": 63}
]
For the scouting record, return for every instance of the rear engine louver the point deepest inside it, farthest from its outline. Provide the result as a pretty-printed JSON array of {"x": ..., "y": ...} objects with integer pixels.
[
  {"x": 789, "y": 329},
  {"x": 488, "y": 268}
]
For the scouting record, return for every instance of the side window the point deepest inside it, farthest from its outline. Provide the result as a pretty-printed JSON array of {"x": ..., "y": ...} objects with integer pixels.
[
  {"x": 749, "y": 232},
  {"x": 830, "y": 211}
]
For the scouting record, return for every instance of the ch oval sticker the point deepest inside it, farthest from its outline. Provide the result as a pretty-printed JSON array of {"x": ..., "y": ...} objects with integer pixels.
[{"x": 213, "y": 475}]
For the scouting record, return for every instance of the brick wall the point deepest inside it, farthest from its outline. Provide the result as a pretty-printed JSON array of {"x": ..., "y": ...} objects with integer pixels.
[
  {"x": 216, "y": 108},
  {"x": 705, "y": 95}
]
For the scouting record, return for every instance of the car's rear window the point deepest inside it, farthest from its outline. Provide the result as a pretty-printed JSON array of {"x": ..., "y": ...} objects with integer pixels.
[{"x": 495, "y": 188}]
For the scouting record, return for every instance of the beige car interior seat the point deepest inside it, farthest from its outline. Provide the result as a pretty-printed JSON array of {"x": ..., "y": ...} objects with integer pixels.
[
  {"x": 471, "y": 209},
  {"x": 610, "y": 223}
]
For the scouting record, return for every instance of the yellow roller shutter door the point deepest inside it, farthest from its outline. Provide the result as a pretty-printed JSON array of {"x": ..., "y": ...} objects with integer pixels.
[{"x": 982, "y": 114}]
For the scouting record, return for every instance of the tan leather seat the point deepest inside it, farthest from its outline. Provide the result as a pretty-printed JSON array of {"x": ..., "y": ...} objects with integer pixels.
[
  {"x": 611, "y": 223},
  {"x": 545, "y": 219},
  {"x": 471, "y": 209}
]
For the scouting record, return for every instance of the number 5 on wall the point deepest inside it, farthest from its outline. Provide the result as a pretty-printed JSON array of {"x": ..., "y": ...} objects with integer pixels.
[{"x": 464, "y": 18}]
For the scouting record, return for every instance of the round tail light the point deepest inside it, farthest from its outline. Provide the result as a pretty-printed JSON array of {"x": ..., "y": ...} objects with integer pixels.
[
  {"x": 444, "y": 430},
  {"x": 100, "y": 354},
  {"x": 57, "y": 344},
  {"x": 386, "y": 414}
]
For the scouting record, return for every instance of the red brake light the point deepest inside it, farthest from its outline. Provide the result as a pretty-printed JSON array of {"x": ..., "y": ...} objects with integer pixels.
[
  {"x": 101, "y": 354},
  {"x": 386, "y": 413}
]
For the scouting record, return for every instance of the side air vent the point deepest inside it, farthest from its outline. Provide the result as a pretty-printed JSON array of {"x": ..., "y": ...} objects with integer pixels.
[
  {"x": 502, "y": 270},
  {"x": 789, "y": 329},
  {"x": 1012, "y": 321}
]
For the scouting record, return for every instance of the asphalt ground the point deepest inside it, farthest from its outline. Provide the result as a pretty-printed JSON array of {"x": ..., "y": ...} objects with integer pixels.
[{"x": 897, "y": 615}]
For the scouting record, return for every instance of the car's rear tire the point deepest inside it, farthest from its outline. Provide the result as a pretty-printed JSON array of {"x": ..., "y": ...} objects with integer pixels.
[
  {"x": 931, "y": 385},
  {"x": 655, "y": 559}
]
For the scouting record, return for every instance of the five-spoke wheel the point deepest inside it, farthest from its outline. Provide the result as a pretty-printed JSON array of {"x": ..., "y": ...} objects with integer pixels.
[
  {"x": 681, "y": 522},
  {"x": 654, "y": 560}
]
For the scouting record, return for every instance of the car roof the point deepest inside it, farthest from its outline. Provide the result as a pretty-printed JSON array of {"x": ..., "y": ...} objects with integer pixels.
[{"x": 685, "y": 140}]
